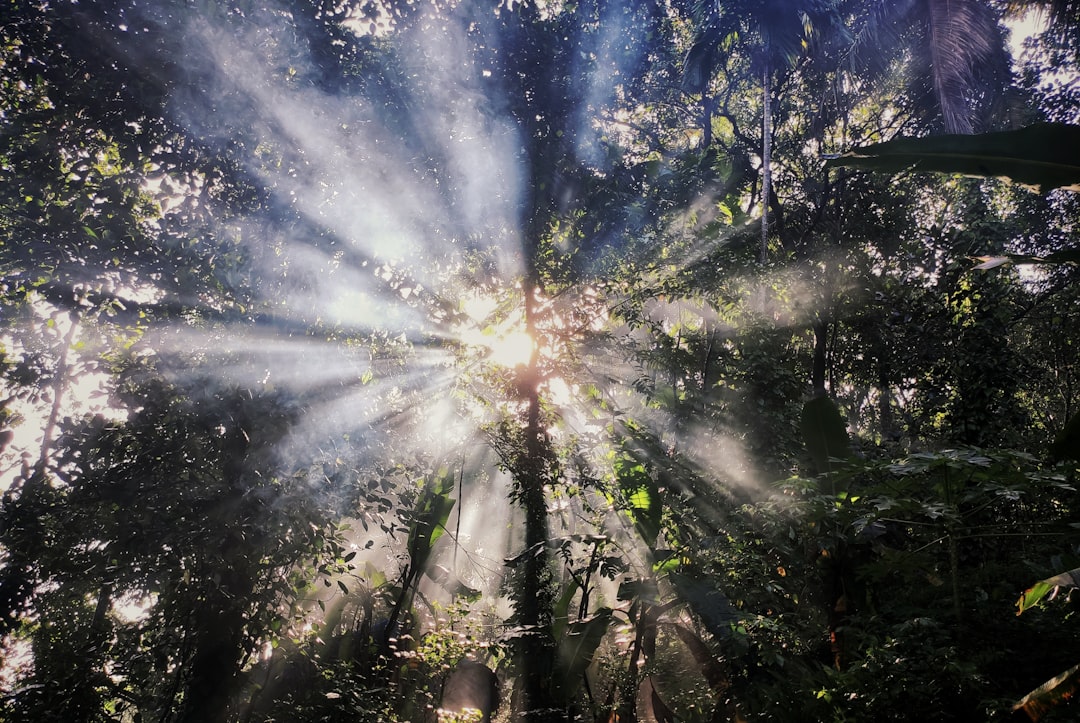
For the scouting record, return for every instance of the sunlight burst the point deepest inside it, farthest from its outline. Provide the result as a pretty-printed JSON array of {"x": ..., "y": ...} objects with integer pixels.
[{"x": 511, "y": 349}]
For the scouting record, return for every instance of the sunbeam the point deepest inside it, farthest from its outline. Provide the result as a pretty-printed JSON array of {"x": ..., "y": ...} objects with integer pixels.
[{"x": 596, "y": 351}]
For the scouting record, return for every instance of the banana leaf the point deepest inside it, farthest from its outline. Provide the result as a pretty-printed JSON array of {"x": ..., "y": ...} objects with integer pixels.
[
  {"x": 1050, "y": 694},
  {"x": 824, "y": 433},
  {"x": 1041, "y": 156},
  {"x": 576, "y": 650}
]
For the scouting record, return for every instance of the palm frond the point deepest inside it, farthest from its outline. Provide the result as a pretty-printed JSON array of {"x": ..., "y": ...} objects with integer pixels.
[
  {"x": 701, "y": 60},
  {"x": 963, "y": 36},
  {"x": 879, "y": 32}
]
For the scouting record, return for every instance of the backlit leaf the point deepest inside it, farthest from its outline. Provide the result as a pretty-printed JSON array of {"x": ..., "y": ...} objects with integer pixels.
[
  {"x": 1035, "y": 594},
  {"x": 1050, "y": 694}
]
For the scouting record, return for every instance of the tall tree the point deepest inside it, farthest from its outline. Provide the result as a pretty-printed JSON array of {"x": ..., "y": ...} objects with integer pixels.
[{"x": 774, "y": 35}]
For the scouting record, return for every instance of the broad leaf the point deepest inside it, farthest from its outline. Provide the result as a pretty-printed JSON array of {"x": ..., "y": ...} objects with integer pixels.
[
  {"x": 1050, "y": 694},
  {"x": 453, "y": 584},
  {"x": 643, "y": 495},
  {"x": 577, "y": 647},
  {"x": 1064, "y": 256},
  {"x": 660, "y": 710},
  {"x": 716, "y": 612},
  {"x": 711, "y": 665},
  {"x": 642, "y": 590},
  {"x": 1034, "y": 594},
  {"x": 561, "y": 611},
  {"x": 1067, "y": 443},
  {"x": 824, "y": 433},
  {"x": 375, "y": 577},
  {"x": 1042, "y": 156},
  {"x": 429, "y": 517}
]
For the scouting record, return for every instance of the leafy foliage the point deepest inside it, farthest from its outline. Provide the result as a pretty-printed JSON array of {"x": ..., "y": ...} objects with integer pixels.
[{"x": 771, "y": 448}]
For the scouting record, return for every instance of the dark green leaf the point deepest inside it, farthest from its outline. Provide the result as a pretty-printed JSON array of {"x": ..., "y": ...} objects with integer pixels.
[
  {"x": 1067, "y": 443},
  {"x": 824, "y": 433},
  {"x": 561, "y": 610},
  {"x": 577, "y": 647},
  {"x": 1042, "y": 156}
]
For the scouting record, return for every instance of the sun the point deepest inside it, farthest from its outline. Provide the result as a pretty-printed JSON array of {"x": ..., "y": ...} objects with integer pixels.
[
  {"x": 504, "y": 343},
  {"x": 512, "y": 348}
]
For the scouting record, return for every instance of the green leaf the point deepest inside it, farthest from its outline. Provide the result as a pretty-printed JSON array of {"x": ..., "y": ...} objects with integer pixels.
[
  {"x": 453, "y": 584},
  {"x": 1064, "y": 256},
  {"x": 824, "y": 433},
  {"x": 561, "y": 611},
  {"x": 375, "y": 577},
  {"x": 643, "y": 495},
  {"x": 714, "y": 609},
  {"x": 577, "y": 648},
  {"x": 1050, "y": 694},
  {"x": 1035, "y": 594},
  {"x": 1067, "y": 443},
  {"x": 430, "y": 516},
  {"x": 1042, "y": 156},
  {"x": 666, "y": 561}
]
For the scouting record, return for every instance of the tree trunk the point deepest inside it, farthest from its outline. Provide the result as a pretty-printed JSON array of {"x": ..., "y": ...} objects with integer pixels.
[
  {"x": 766, "y": 159},
  {"x": 708, "y": 105},
  {"x": 60, "y": 387},
  {"x": 533, "y": 601},
  {"x": 821, "y": 355},
  {"x": 889, "y": 432}
]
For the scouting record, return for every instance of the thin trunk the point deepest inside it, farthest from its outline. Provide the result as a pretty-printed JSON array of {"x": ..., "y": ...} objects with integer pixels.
[
  {"x": 821, "y": 354},
  {"x": 408, "y": 581},
  {"x": 627, "y": 712},
  {"x": 954, "y": 549},
  {"x": 838, "y": 609},
  {"x": 708, "y": 104},
  {"x": 99, "y": 626},
  {"x": 534, "y": 608},
  {"x": 215, "y": 664},
  {"x": 23, "y": 507},
  {"x": 766, "y": 160},
  {"x": 885, "y": 413},
  {"x": 954, "y": 574},
  {"x": 60, "y": 386},
  {"x": 460, "y": 510}
]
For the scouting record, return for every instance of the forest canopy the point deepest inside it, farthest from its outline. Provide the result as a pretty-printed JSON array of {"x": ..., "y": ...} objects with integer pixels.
[{"x": 539, "y": 360}]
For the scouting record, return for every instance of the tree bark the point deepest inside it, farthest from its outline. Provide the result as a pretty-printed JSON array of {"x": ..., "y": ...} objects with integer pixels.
[
  {"x": 766, "y": 159},
  {"x": 60, "y": 386},
  {"x": 821, "y": 355},
  {"x": 885, "y": 412}
]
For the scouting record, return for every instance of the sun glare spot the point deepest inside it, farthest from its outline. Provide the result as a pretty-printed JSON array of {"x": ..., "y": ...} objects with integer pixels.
[
  {"x": 511, "y": 349},
  {"x": 506, "y": 343},
  {"x": 131, "y": 609}
]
